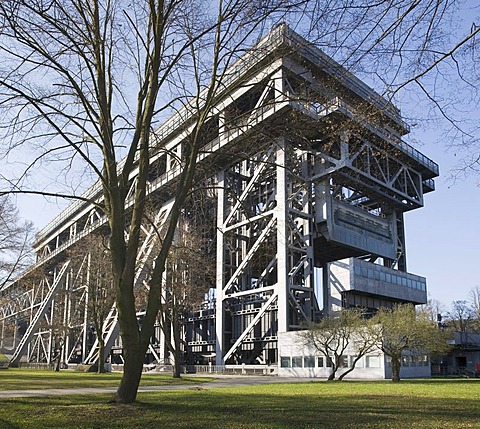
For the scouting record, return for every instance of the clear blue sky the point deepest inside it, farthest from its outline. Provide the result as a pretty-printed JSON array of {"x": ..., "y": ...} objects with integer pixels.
[{"x": 443, "y": 237}]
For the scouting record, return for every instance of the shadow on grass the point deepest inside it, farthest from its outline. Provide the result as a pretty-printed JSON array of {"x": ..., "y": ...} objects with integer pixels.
[
  {"x": 312, "y": 405},
  {"x": 21, "y": 379}
]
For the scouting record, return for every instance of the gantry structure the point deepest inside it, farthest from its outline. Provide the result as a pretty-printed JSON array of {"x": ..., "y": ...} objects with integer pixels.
[{"x": 310, "y": 180}]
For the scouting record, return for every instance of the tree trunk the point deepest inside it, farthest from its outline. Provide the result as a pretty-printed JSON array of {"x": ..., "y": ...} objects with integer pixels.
[
  {"x": 330, "y": 364},
  {"x": 57, "y": 364},
  {"x": 354, "y": 363},
  {"x": 395, "y": 369},
  {"x": 101, "y": 357},
  {"x": 134, "y": 355},
  {"x": 177, "y": 373},
  {"x": 343, "y": 374},
  {"x": 59, "y": 360},
  {"x": 177, "y": 348}
]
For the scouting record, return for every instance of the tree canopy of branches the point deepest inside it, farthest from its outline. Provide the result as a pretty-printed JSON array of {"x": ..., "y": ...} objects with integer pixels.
[
  {"x": 15, "y": 242},
  {"x": 402, "y": 329},
  {"x": 475, "y": 301},
  {"x": 190, "y": 272},
  {"x": 334, "y": 335},
  {"x": 462, "y": 317},
  {"x": 92, "y": 258},
  {"x": 85, "y": 82}
]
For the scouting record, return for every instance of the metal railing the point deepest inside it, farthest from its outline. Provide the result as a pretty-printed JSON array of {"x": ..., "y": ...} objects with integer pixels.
[{"x": 222, "y": 369}]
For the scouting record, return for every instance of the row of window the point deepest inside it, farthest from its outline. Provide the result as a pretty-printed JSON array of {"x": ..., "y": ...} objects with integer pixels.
[
  {"x": 346, "y": 361},
  {"x": 411, "y": 361},
  {"x": 400, "y": 280},
  {"x": 369, "y": 361}
]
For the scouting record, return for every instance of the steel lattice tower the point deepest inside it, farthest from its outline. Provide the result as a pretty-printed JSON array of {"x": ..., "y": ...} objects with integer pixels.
[{"x": 310, "y": 179}]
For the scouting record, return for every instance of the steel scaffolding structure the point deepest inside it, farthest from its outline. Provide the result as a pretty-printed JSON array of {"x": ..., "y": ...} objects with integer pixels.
[{"x": 306, "y": 168}]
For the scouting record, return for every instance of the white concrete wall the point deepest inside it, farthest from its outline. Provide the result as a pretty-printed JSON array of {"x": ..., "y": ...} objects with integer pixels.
[
  {"x": 291, "y": 345},
  {"x": 374, "y": 366}
]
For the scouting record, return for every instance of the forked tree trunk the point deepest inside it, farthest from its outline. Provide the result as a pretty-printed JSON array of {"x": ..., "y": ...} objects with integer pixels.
[
  {"x": 132, "y": 372},
  {"x": 349, "y": 370}
]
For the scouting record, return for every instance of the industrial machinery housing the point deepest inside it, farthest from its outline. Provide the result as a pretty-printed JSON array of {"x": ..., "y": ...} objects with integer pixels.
[{"x": 304, "y": 180}]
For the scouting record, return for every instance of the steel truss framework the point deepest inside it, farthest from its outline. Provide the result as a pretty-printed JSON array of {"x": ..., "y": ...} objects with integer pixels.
[{"x": 307, "y": 166}]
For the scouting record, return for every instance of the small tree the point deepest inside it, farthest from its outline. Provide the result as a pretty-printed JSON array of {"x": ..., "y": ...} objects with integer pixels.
[
  {"x": 15, "y": 241},
  {"x": 92, "y": 257},
  {"x": 461, "y": 317},
  {"x": 333, "y": 335},
  {"x": 400, "y": 329},
  {"x": 474, "y": 296},
  {"x": 190, "y": 272}
]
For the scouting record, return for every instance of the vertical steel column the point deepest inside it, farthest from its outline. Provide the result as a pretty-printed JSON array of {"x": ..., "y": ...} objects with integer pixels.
[
  {"x": 219, "y": 306},
  {"x": 86, "y": 323},
  {"x": 282, "y": 287}
]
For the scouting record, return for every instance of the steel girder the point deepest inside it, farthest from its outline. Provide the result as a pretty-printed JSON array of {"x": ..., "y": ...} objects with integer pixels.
[
  {"x": 264, "y": 254},
  {"x": 300, "y": 150}
]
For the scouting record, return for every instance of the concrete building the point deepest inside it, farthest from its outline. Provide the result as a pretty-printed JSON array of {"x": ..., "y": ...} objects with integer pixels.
[
  {"x": 300, "y": 360},
  {"x": 311, "y": 180},
  {"x": 463, "y": 359}
]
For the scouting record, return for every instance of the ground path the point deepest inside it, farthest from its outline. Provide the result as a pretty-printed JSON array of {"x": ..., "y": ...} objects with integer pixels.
[{"x": 219, "y": 381}]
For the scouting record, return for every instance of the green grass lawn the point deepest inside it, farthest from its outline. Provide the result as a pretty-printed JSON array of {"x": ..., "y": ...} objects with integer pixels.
[
  {"x": 26, "y": 379},
  {"x": 422, "y": 404}
]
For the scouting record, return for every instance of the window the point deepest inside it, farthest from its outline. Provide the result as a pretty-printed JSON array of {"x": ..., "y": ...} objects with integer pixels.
[
  {"x": 285, "y": 362},
  {"x": 320, "y": 362},
  {"x": 297, "y": 362},
  {"x": 423, "y": 360},
  {"x": 329, "y": 362},
  {"x": 309, "y": 362},
  {"x": 372, "y": 361},
  {"x": 343, "y": 361}
]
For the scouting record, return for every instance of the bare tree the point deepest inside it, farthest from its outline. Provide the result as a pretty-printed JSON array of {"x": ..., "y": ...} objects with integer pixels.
[
  {"x": 190, "y": 272},
  {"x": 88, "y": 54},
  {"x": 434, "y": 310},
  {"x": 474, "y": 296},
  {"x": 461, "y": 317},
  {"x": 91, "y": 257},
  {"x": 15, "y": 242},
  {"x": 422, "y": 51}
]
